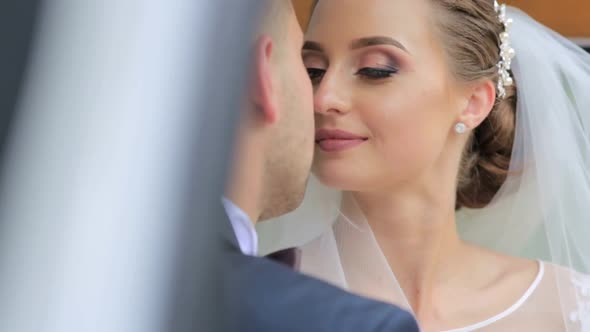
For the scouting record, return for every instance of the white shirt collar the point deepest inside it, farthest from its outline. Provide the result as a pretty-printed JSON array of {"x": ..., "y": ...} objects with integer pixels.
[{"x": 243, "y": 228}]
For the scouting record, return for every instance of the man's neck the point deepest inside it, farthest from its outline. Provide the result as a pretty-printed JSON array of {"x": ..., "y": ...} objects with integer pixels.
[
  {"x": 245, "y": 186},
  {"x": 246, "y": 204},
  {"x": 246, "y": 183}
]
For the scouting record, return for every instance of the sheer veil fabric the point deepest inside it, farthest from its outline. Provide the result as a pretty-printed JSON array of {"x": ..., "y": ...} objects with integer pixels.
[{"x": 542, "y": 212}]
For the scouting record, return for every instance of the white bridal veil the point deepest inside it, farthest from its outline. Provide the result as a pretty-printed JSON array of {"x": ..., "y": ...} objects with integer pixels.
[{"x": 542, "y": 212}]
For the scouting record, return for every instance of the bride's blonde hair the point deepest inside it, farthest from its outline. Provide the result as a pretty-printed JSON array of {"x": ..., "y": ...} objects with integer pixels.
[{"x": 470, "y": 30}]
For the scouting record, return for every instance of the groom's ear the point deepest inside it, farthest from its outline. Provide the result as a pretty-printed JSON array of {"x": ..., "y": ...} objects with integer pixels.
[{"x": 263, "y": 88}]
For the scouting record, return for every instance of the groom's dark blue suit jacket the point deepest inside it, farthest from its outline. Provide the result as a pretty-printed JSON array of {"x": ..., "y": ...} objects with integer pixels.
[{"x": 262, "y": 295}]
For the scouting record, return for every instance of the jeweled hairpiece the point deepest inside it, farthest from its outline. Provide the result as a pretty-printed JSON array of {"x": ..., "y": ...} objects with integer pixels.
[{"x": 507, "y": 53}]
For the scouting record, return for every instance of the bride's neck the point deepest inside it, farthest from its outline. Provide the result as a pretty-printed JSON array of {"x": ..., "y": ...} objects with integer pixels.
[{"x": 418, "y": 236}]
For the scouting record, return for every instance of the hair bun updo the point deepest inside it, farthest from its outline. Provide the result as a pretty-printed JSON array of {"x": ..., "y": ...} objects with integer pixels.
[{"x": 470, "y": 31}]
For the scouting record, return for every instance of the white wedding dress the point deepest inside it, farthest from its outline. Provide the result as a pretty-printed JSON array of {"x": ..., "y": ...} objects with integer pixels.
[
  {"x": 541, "y": 213},
  {"x": 348, "y": 256}
]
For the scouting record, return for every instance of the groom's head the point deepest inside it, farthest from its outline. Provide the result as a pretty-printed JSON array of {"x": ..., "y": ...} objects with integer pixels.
[{"x": 276, "y": 138}]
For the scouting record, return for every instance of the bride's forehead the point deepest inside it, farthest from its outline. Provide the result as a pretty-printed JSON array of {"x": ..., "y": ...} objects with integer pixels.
[
  {"x": 388, "y": 10},
  {"x": 340, "y": 21}
]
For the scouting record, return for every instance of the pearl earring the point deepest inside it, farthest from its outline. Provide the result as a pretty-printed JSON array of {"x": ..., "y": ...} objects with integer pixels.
[{"x": 460, "y": 128}]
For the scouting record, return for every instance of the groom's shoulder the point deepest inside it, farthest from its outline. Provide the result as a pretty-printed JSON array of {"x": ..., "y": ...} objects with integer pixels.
[{"x": 261, "y": 291}]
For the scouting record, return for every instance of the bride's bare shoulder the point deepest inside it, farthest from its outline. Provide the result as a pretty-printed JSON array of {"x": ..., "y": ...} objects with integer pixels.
[{"x": 509, "y": 270}]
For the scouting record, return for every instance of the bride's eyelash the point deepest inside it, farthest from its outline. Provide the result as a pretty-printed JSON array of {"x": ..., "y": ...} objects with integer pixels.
[
  {"x": 377, "y": 73},
  {"x": 316, "y": 74}
]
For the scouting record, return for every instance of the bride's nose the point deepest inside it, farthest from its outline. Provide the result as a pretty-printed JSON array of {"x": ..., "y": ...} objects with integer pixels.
[{"x": 331, "y": 96}]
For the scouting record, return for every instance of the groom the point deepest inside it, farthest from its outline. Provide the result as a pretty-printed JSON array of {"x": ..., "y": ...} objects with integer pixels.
[{"x": 273, "y": 156}]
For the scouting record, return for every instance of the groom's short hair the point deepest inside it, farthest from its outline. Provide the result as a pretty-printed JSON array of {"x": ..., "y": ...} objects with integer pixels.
[{"x": 275, "y": 18}]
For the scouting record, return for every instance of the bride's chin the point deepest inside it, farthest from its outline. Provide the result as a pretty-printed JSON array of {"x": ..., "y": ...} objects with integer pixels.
[{"x": 334, "y": 178}]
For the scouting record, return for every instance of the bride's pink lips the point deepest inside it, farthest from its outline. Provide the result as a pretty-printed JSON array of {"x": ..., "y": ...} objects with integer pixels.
[{"x": 334, "y": 140}]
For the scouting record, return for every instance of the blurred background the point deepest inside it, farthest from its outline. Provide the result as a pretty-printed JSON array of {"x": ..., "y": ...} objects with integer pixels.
[
  {"x": 571, "y": 18},
  {"x": 115, "y": 128}
]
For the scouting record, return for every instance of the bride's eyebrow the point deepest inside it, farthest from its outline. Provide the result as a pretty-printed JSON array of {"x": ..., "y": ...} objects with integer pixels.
[
  {"x": 359, "y": 43},
  {"x": 377, "y": 40},
  {"x": 313, "y": 46}
]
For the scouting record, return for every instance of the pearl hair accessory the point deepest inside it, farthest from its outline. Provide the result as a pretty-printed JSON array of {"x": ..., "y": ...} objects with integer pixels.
[
  {"x": 507, "y": 53},
  {"x": 460, "y": 128}
]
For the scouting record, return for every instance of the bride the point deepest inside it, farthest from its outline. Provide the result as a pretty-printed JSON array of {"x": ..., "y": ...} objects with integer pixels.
[{"x": 454, "y": 135}]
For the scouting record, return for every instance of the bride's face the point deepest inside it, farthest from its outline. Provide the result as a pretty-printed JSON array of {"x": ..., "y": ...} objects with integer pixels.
[{"x": 385, "y": 100}]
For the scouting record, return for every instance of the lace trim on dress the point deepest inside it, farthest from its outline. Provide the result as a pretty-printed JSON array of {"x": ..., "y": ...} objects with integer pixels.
[{"x": 581, "y": 315}]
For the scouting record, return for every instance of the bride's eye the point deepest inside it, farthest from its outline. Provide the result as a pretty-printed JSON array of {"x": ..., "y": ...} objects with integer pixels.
[
  {"x": 376, "y": 73},
  {"x": 316, "y": 74}
]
